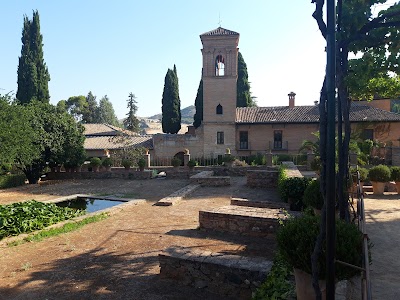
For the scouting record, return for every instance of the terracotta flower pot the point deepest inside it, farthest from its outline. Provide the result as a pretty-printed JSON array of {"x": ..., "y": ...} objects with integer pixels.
[
  {"x": 304, "y": 288},
  {"x": 378, "y": 187},
  {"x": 398, "y": 187}
]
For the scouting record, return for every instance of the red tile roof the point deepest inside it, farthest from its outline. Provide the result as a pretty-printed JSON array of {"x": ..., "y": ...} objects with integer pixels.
[{"x": 308, "y": 114}]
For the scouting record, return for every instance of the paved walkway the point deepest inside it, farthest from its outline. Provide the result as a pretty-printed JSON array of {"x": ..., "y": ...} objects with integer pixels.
[{"x": 383, "y": 228}]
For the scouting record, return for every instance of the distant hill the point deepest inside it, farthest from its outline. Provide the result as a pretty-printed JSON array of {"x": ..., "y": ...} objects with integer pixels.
[{"x": 187, "y": 115}]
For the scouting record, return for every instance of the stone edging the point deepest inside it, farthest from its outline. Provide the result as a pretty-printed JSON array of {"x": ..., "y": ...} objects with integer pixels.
[{"x": 177, "y": 196}]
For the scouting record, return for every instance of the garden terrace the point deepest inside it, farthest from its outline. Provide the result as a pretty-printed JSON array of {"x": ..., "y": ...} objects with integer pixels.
[{"x": 206, "y": 178}]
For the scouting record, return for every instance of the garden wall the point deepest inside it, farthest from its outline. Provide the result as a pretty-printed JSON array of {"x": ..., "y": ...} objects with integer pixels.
[{"x": 262, "y": 178}]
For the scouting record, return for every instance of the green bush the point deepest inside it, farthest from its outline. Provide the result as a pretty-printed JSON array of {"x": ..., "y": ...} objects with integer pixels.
[
  {"x": 363, "y": 174},
  {"x": 292, "y": 188},
  {"x": 256, "y": 160},
  {"x": 107, "y": 162},
  {"x": 395, "y": 173},
  {"x": 312, "y": 195},
  {"x": 296, "y": 240},
  {"x": 228, "y": 158},
  {"x": 380, "y": 173},
  {"x": 176, "y": 162},
  {"x": 5, "y": 168},
  {"x": 284, "y": 157},
  {"x": 126, "y": 163},
  {"x": 13, "y": 180},
  {"x": 192, "y": 163},
  {"x": 28, "y": 216},
  {"x": 95, "y": 161},
  {"x": 141, "y": 162}
]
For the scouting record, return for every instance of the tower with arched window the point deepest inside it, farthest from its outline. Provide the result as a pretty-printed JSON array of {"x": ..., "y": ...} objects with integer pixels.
[{"x": 220, "y": 55}]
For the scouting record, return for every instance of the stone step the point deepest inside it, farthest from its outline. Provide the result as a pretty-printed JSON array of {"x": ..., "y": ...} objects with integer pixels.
[
  {"x": 177, "y": 196},
  {"x": 254, "y": 221},
  {"x": 259, "y": 203},
  {"x": 206, "y": 178},
  {"x": 226, "y": 275}
]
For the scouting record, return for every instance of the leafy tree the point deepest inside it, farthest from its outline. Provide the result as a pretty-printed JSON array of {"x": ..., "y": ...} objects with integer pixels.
[
  {"x": 132, "y": 122},
  {"x": 244, "y": 98},
  {"x": 198, "y": 116},
  {"x": 171, "y": 104},
  {"x": 33, "y": 75},
  {"x": 91, "y": 114},
  {"x": 54, "y": 138},
  {"x": 107, "y": 113},
  {"x": 375, "y": 37},
  {"x": 77, "y": 106}
]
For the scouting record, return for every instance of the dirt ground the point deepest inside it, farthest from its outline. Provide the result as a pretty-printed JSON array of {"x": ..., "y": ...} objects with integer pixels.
[{"x": 117, "y": 258}]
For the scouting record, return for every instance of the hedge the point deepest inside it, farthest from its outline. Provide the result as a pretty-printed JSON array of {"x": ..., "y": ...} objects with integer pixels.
[{"x": 8, "y": 181}]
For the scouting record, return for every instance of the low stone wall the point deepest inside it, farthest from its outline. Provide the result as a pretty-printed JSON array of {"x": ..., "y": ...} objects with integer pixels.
[
  {"x": 253, "y": 221},
  {"x": 206, "y": 178},
  {"x": 226, "y": 275},
  {"x": 259, "y": 203},
  {"x": 177, "y": 196},
  {"x": 291, "y": 169},
  {"x": 131, "y": 174},
  {"x": 262, "y": 178}
]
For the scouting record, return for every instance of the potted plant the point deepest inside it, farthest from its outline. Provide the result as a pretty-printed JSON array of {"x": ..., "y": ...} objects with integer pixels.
[
  {"x": 141, "y": 164},
  {"x": 296, "y": 240},
  {"x": 191, "y": 164},
  {"x": 291, "y": 190},
  {"x": 228, "y": 159},
  {"x": 95, "y": 162},
  {"x": 126, "y": 163},
  {"x": 176, "y": 162},
  {"x": 395, "y": 176},
  {"x": 313, "y": 197},
  {"x": 379, "y": 175},
  {"x": 353, "y": 178},
  {"x": 316, "y": 165},
  {"x": 107, "y": 163}
]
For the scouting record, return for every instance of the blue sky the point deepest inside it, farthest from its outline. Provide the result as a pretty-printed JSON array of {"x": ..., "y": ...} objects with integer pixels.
[{"x": 117, "y": 47}]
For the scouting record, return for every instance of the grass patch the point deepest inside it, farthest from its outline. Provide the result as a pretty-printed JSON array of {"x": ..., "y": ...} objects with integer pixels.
[{"x": 60, "y": 230}]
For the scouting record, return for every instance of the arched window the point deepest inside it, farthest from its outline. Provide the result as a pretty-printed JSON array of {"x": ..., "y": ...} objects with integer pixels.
[
  {"x": 219, "y": 66},
  {"x": 219, "y": 109}
]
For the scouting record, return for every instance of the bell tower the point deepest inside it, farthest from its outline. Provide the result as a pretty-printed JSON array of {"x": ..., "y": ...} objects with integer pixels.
[{"x": 220, "y": 56}]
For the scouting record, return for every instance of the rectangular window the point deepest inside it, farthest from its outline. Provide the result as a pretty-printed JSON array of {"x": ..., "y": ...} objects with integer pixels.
[
  {"x": 277, "y": 139},
  {"x": 368, "y": 134},
  {"x": 243, "y": 140},
  {"x": 220, "y": 137}
]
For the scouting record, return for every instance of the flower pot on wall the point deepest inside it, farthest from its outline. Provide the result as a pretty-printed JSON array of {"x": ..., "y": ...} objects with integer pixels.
[
  {"x": 304, "y": 288},
  {"x": 378, "y": 187}
]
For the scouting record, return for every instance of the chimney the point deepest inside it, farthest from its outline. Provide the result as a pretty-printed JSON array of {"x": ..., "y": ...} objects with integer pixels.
[{"x": 291, "y": 99}]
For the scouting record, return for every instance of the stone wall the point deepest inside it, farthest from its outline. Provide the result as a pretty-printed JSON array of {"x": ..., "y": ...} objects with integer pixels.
[
  {"x": 262, "y": 179},
  {"x": 100, "y": 175},
  {"x": 229, "y": 276}
]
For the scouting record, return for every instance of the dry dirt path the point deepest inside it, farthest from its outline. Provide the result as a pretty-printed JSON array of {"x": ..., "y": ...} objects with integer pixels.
[
  {"x": 117, "y": 258},
  {"x": 383, "y": 228}
]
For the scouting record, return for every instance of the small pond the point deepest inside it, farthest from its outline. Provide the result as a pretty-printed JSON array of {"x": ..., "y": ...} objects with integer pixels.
[{"x": 89, "y": 204}]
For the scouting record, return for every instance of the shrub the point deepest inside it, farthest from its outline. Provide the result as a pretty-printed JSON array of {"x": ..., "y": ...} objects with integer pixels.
[
  {"x": 228, "y": 158},
  {"x": 292, "y": 188},
  {"x": 192, "y": 163},
  {"x": 107, "y": 162},
  {"x": 13, "y": 180},
  {"x": 5, "y": 168},
  {"x": 312, "y": 195},
  {"x": 126, "y": 163},
  {"x": 284, "y": 157},
  {"x": 176, "y": 162},
  {"x": 363, "y": 174},
  {"x": 316, "y": 164},
  {"x": 296, "y": 240},
  {"x": 141, "y": 162},
  {"x": 395, "y": 173},
  {"x": 95, "y": 161},
  {"x": 380, "y": 173}
]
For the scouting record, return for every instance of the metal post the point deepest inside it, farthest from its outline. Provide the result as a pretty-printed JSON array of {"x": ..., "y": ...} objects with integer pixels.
[{"x": 330, "y": 159}]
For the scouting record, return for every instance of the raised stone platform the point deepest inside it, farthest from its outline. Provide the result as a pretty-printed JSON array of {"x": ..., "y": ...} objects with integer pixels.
[
  {"x": 259, "y": 203},
  {"x": 206, "y": 178},
  {"x": 227, "y": 275},
  {"x": 177, "y": 196},
  {"x": 262, "y": 178},
  {"x": 291, "y": 169},
  {"x": 244, "y": 220}
]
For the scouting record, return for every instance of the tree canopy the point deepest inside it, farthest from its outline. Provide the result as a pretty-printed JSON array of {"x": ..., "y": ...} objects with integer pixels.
[
  {"x": 171, "y": 103},
  {"x": 107, "y": 113},
  {"x": 198, "y": 103},
  {"x": 244, "y": 98},
  {"x": 131, "y": 122},
  {"x": 33, "y": 75}
]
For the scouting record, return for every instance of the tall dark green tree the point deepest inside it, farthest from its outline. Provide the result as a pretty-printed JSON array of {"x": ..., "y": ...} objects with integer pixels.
[
  {"x": 33, "y": 75},
  {"x": 107, "y": 113},
  {"x": 171, "y": 104},
  {"x": 91, "y": 114},
  {"x": 131, "y": 122},
  {"x": 244, "y": 98},
  {"x": 198, "y": 103}
]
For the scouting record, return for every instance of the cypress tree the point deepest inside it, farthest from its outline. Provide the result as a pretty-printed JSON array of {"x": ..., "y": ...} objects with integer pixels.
[
  {"x": 33, "y": 75},
  {"x": 92, "y": 113},
  {"x": 171, "y": 104},
  {"x": 198, "y": 103},
  {"x": 244, "y": 98},
  {"x": 131, "y": 122}
]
